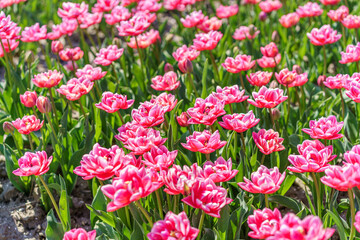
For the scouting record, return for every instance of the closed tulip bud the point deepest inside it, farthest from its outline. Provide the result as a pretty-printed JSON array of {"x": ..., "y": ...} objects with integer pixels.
[
  {"x": 29, "y": 56},
  {"x": 8, "y": 127},
  {"x": 276, "y": 114},
  {"x": 274, "y": 84},
  {"x": 252, "y": 29},
  {"x": 297, "y": 69},
  {"x": 43, "y": 104},
  {"x": 185, "y": 66},
  {"x": 56, "y": 46},
  {"x": 168, "y": 67},
  {"x": 262, "y": 16},
  {"x": 275, "y": 37},
  {"x": 321, "y": 79}
]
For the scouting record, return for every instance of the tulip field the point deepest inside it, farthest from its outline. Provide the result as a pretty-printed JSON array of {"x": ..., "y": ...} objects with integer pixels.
[{"x": 183, "y": 119}]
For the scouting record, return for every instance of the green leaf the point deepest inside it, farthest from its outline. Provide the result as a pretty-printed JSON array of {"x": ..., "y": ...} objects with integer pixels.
[
  {"x": 339, "y": 225},
  {"x": 138, "y": 232},
  {"x": 54, "y": 230},
  {"x": 64, "y": 205},
  {"x": 287, "y": 202},
  {"x": 204, "y": 93}
]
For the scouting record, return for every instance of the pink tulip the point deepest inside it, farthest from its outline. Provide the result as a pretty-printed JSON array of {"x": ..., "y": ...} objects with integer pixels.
[
  {"x": 204, "y": 142},
  {"x": 67, "y": 27},
  {"x": 159, "y": 158},
  {"x": 90, "y": 73},
  {"x": 219, "y": 171},
  {"x": 168, "y": 82},
  {"x": 239, "y": 64},
  {"x": 113, "y": 102},
  {"x": 286, "y": 77},
  {"x": 314, "y": 157},
  {"x": 33, "y": 33},
  {"x": 259, "y": 78},
  {"x": 27, "y": 124},
  {"x": 43, "y": 104},
  {"x": 103, "y": 163},
  {"x": 33, "y": 164},
  {"x": 251, "y": 2},
  {"x": 206, "y": 111},
  {"x": 173, "y": 227},
  {"x": 9, "y": 45},
  {"x": 28, "y": 99},
  {"x": 71, "y": 10},
  {"x": 268, "y": 141},
  {"x": 354, "y": 91},
  {"x": 105, "y": 5},
  {"x": 71, "y": 54},
  {"x": 227, "y": 11},
  {"x": 353, "y": 156},
  {"x": 264, "y": 180},
  {"x": 324, "y": 35},
  {"x": 264, "y": 223},
  {"x": 134, "y": 26},
  {"x": 148, "y": 114},
  {"x": 230, "y": 94},
  {"x": 145, "y": 40},
  {"x": 193, "y": 19},
  {"x": 48, "y": 79},
  {"x": 292, "y": 227},
  {"x": 209, "y": 24},
  {"x": 8, "y": 3},
  {"x": 180, "y": 180},
  {"x": 269, "y": 6},
  {"x": 239, "y": 122},
  {"x": 243, "y": 32},
  {"x": 148, "y": 16},
  {"x": 324, "y": 128},
  {"x": 71, "y": 66},
  {"x": 267, "y": 98},
  {"x": 118, "y": 14},
  {"x": 148, "y": 5},
  {"x": 330, "y": 2},
  {"x": 165, "y": 100},
  {"x": 207, "y": 41},
  {"x": 107, "y": 55},
  {"x": 126, "y": 131},
  {"x": 336, "y": 82},
  {"x": 342, "y": 178},
  {"x": 310, "y": 9},
  {"x": 266, "y": 62},
  {"x": 357, "y": 221},
  {"x": 352, "y": 54},
  {"x": 351, "y": 22},
  {"x": 79, "y": 234},
  {"x": 56, "y": 46},
  {"x": 289, "y": 20},
  {"x": 56, "y": 32},
  {"x": 207, "y": 196},
  {"x": 75, "y": 88},
  {"x": 185, "y": 52},
  {"x": 8, "y": 29},
  {"x": 143, "y": 140},
  {"x": 339, "y": 14},
  {"x": 88, "y": 19},
  {"x": 270, "y": 50},
  {"x": 183, "y": 119},
  {"x": 131, "y": 185}
]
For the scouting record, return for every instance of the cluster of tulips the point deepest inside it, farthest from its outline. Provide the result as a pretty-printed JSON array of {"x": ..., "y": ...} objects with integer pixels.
[{"x": 214, "y": 123}]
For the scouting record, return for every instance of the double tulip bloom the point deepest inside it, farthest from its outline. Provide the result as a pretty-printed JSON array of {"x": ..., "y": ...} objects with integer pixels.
[
  {"x": 206, "y": 111},
  {"x": 108, "y": 55},
  {"x": 339, "y": 14},
  {"x": 193, "y": 19},
  {"x": 239, "y": 64},
  {"x": 79, "y": 233},
  {"x": 33, "y": 164},
  {"x": 219, "y": 171},
  {"x": 289, "y": 20},
  {"x": 336, "y": 82},
  {"x": 159, "y": 158},
  {"x": 113, "y": 102},
  {"x": 71, "y": 54},
  {"x": 239, "y": 122},
  {"x": 352, "y": 54},
  {"x": 47, "y": 79},
  {"x": 207, "y": 41},
  {"x": 267, "y": 98},
  {"x": 264, "y": 180},
  {"x": 149, "y": 114},
  {"x": 203, "y": 142},
  {"x": 168, "y": 82},
  {"x": 259, "y": 78},
  {"x": 310, "y": 9},
  {"x": 226, "y": 11},
  {"x": 314, "y": 157},
  {"x": 144, "y": 40},
  {"x": 28, "y": 99},
  {"x": 324, "y": 128},
  {"x": 91, "y": 73},
  {"x": 244, "y": 32},
  {"x": 33, "y": 33},
  {"x": 268, "y": 141},
  {"x": 173, "y": 227},
  {"x": 324, "y": 35},
  {"x": 75, "y": 88},
  {"x": 342, "y": 178},
  {"x": 264, "y": 223},
  {"x": 117, "y": 15},
  {"x": 134, "y": 26},
  {"x": 269, "y": 6},
  {"x": 27, "y": 124},
  {"x": 230, "y": 94}
]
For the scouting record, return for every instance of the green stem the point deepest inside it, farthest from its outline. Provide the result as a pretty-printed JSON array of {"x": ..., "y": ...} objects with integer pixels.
[
  {"x": 266, "y": 200},
  {"x": 215, "y": 66},
  {"x": 358, "y": 66},
  {"x": 82, "y": 108},
  {"x": 159, "y": 203},
  {"x": 191, "y": 80},
  {"x": 31, "y": 143},
  {"x": 352, "y": 209},
  {"x": 324, "y": 51},
  {"x": 288, "y": 106},
  {"x": 144, "y": 212},
  {"x": 317, "y": 189},
  {"x": 53, "y": 106},
  {"x": 53, "y": 201},
  {"x": 16, "y": 143},
  {"x": 52, "y": 127},
  {"x": 115, "y": 74},
  {"x": 342, "y": 104},
  {"x": 127, "y": 214},
  {"x": 243, "y": 143},
  {"x": 201, "y": 223},
  {"x": 141, "y": 59},
  {"x": 263, "y": 159},
  {"x": 121, "y": 118},
  {"x": 271, "y": 117}
]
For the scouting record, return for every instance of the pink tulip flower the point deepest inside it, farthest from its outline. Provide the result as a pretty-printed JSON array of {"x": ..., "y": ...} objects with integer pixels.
[
  {"x": 193, "y": 19},
  {"x": 268, "y": 141},
  {"x": 289, "y": 20},
  {"x": 206, "y": 111},
  {"x": 33, "y": 164},
  {"x": 336, "y": 82},
  {"x": 266, "y": 62},
  {"x": 219, "y": 171},
  {"x": 159, "y": 158},
  {"x": 339, "y": 14},
  {"x": 56, "y": 46},
  {"x": 353, "y": 156},
  {"x": 28, "y": 99},
  {"x": 117, "y": 15},
  {"x": 71, "y": 54},
  {"x": 79, "y": 234},
  {"x": 354, "y": 91},
  {"x": 204, "y": 142},
  {"x": 107, "y": 55},
  {"x": 67, "y": 27},
  {"x": 267, "y": 98},
  {"x": 43, "y": 104},
  {"x": 183, "y": 119},
  {"x": 105, "y": 5},
  {"x": 185, "y": 52},
  {"x": 324, "y": 35},
  {"x": 33, "y": 33},
  {"x": 8, "y": 29},
  {"x": 209, "y": 24},
  {"x": 47, "y": 79},
  {"x": 352, "y": 54},
  {"x": 71, "y": 10},
  {"x": 342, "y": 178},
  {"x": 148, "y": 114},
  {"x": 324, "y": 128},
  {"x": 239, "y": 64},
  {"x": 207, "y": 41},
  {"x": 113, "y": 102},
  {"x": 227, "y": 11},
  {"x": 357, "y": 221},
  {"x": 259, "y": 78},
  {"x": 75, "y": 88},
  {"x": 270, "y": 50},
  {"x": 264, "y": 223},
  {"x": 230, "y": 94},
  {"x": 314, "y": 157},
  {"x": 168, "y": 82},
  {"x": 88, "y": 19},
  {"x": 91, "y": 73},
  {"x": 310, "y": 9},
  {"x": 351, "y": 22},
  {"x": 243, "y": 32},
  {"x": 165, "y": 100},
  {"x": 269, "y": 6},
  {"x": 330, "y": 2},
  {"x": 264, "y": 180},
  {"x": 134, "y": 26},
  {"x": 239, "y": 122},
  {"x": 148, "y": 5},
  {"x": 145, "y": 40},
  {"x": 27, "y": 124}
]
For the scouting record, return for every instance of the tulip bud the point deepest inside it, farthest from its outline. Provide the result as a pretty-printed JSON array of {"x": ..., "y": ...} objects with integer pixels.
[
  {"x": 275, "y": 37},
  {"x": 29, "y": 57},
  {"x": 183, "y": 119},
  {"x": 28, "y": 99},
  {"x": 56, "y": 46},
  {"x": 321, "y": 79},
  {"x": 273, "y": 84},
  {"x": 297, "y": 69},
  {"x": 275, "y": 113},
  {"x": 8, "y": 127},
  {"x": 185, "y": 66},
  {"x": 168, "y": 67},
  {"x": 252, "y": 29},
  {"x": 43, "y": 104},
  {"x": 262, "y": 16}
]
